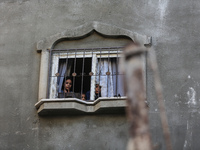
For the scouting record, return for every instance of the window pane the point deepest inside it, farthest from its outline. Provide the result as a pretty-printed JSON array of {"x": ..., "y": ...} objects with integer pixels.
[
  {"x": 109, "y": 77},
  {"x": 66, "y": 69}
]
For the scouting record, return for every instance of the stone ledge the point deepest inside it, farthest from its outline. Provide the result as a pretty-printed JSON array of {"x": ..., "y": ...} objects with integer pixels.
[{"x": 70, "y": 106}]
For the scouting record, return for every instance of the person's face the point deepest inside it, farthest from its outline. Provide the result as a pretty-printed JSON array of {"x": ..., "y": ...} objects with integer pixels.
[
  {"x": 97, "y": 89},
  {"x": 68, "y": 84},
  {"x": 83, "y": 97}
]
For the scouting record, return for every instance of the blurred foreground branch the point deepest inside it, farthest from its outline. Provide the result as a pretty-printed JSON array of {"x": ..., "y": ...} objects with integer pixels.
[
  {"x": 134, "y": 68},
  {"x": 133, "y": 65}
]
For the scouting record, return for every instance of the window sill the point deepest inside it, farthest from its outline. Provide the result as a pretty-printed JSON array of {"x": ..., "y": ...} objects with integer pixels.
[{"x": 69, "y": 106}]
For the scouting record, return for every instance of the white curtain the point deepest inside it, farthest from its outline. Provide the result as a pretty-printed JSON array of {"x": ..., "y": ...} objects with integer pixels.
[{"x": 111, "y": 85}]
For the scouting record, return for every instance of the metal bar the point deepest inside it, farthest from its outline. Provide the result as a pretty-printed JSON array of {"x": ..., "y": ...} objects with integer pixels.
[
  {"x": 82, "y": 73},
  {"x": 91, "y": 78},
  {"x": 81, "y": 49},
  {"x": 74, "y": 70},
  {"x": 117, "y": 74},
  {"x": 65, "y": 72},
  {"x": 67, "y": 63},
  {"x": 108, "y": 76},
  {"x": 87, "y": 75},
  {"x": 49, "y": 73},
  {"x": 99, "y": 74},
  {"x": 64, "y": 85},
  {"x": 58, "y": 77}
]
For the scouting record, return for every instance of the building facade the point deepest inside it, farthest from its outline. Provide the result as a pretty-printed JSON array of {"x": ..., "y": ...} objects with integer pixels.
[{"x": 27, "y": 27}]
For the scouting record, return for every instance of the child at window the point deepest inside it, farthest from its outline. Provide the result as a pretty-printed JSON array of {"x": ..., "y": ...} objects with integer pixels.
[
  {"x": 66, "y": 92},
  {"x": 97, "y": 92},
  {"x": 67, "y": 85},
  {"x": 83, "y": 96}
]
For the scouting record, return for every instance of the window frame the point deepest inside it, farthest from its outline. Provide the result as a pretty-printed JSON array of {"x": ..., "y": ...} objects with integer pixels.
[
  {"x": 44, "y": 104},
  {"x": 114, "y": 52}
]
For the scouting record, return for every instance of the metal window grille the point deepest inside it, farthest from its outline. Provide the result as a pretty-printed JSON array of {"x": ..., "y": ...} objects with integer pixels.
[{"x": 87, "y": 68}]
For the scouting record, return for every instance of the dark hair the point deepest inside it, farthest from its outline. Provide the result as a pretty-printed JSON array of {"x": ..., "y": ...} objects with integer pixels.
[
  {"x": 97, "y": 85},
  {"x": 66, "y": 78}
]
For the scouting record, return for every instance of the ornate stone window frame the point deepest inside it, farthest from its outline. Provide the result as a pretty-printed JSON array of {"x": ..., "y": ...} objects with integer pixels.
[{"x": 46, "y": 106}]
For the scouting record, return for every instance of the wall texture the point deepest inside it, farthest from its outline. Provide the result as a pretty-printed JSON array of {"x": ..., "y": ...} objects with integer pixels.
[{"x": 174, "y": 26}]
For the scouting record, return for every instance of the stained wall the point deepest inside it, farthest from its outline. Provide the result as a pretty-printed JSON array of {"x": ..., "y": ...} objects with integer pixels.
[{"x": 174, "y": 27}]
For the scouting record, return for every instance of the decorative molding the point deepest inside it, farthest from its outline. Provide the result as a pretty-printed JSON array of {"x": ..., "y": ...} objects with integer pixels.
[{"x": 85, "y": 29}]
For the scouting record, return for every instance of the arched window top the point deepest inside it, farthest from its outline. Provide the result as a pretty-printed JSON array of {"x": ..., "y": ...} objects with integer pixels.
[{"x": 86, "y": 29}]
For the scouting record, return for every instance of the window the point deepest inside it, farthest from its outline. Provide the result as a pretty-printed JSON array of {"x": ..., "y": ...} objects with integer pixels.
[
  {"x": 93, "y": 65},
  {"x": 87, "y": 68}
]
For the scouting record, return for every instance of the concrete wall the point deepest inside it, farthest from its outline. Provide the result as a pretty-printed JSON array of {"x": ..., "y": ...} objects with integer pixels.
[{"x": 174, "y": 26}]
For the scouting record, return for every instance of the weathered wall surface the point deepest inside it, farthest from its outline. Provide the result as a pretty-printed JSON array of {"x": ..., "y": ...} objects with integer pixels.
[{"x": 174, "y": 26}]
